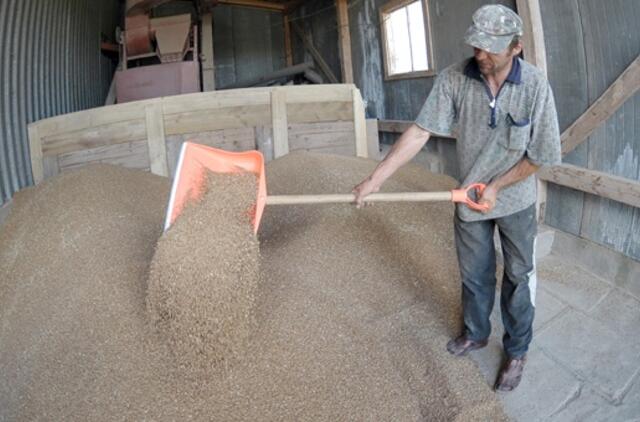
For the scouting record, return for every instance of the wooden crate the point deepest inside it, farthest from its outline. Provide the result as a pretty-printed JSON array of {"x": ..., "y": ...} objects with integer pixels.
[{"x": 148, "y": 134}]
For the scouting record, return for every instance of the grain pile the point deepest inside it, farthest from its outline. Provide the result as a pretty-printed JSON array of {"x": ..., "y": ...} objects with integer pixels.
[
  {"x": 352, "y": 310},
  {"x": 204, "y": 275}
]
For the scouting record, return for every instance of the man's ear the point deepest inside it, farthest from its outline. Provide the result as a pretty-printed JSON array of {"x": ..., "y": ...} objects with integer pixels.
[{"x": 517, "y": 49}]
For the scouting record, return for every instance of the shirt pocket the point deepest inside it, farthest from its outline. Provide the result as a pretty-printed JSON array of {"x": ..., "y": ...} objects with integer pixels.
[{"x": 518, "y": 133}]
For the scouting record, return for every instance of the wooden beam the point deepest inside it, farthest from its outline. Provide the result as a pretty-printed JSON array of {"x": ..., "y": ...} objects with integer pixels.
[
  {"x": 594, "y": 182},
  {"x": 615, "y": 96},
  {"x": 266, "y": 79},
  {"x": 400, "y": 126},
  {"x": 258, "y": 4},
  {"x": 156, "y": 139},
  {"x": 360, "y": 124},
  {"x": 91, "y": 118},
  {"x": 225, "y": 118},
  {"x": 345, "y": 41},
  {"x": 279, "y": 123},
  {"x": 35, "y": 148},
  {"x": 208, "y": 68},
  {"x": 534, "y": 52},
  {"x": 94, "y": 137},
  {"x": 324, "y": 67},
  {"x": 320, "y": 112},
  {"x": 288, "y": 50},
  {"x": 373, "y": 141}
]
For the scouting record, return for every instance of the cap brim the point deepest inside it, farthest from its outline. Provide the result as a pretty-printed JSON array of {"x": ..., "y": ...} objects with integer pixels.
[{"x": 492, "y": 43}]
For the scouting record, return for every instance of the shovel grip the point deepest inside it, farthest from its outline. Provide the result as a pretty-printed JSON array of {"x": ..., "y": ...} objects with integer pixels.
[{"x": 462, "y": 196}]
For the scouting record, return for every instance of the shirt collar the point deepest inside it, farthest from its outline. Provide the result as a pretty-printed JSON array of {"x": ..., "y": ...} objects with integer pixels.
[{"x": 515, "y": 74}]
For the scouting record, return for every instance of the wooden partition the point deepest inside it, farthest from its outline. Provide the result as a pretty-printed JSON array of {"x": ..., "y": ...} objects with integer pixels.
[{"x": 147, "y": 134}]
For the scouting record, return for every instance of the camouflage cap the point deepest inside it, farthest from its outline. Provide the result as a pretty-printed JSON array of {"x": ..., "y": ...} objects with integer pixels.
[{"x": 494, "y": 27}]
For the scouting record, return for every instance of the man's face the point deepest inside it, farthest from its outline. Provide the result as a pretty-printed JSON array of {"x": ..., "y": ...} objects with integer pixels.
[{"x": 491, "y": 64}]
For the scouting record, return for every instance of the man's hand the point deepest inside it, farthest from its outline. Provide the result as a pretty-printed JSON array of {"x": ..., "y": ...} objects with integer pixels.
[
  {"x": 489, "y": 197},
  {"x": 363, "y": 189},
  {"x": 523, "y": 169},
  {"x": 405, "y": 148}
]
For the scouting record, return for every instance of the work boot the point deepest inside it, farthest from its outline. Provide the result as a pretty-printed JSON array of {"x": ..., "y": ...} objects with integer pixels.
[
  {"x": 462, "y": 345},
  {"x": 510, "y": 374}
]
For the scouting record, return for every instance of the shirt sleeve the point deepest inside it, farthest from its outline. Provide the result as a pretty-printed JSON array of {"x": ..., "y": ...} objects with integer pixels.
[
  {"x": 544, "y": 146},
  {"x": 438, "y": 114}
]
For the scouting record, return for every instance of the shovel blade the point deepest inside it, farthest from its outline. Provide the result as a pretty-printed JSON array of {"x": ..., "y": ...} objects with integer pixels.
[{"x": 194, "y": 163}]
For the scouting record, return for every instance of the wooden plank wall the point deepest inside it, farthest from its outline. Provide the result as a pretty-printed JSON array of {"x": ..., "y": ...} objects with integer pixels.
[
  {"x": 148, "y": 134},
  {"x": 590, "y": 43},
  {"x": 248, "y": 43}
]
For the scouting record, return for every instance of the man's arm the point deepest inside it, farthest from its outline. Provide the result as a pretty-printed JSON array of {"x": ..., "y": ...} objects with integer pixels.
[
  {"x": 520, "y": 171},
  {"x": 405, "y": 148}
]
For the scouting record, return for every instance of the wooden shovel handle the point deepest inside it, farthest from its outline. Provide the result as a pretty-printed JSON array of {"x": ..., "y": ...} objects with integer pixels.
[
  {"x": 457, "y": 195},
  {"x": 349, "y": 198}
]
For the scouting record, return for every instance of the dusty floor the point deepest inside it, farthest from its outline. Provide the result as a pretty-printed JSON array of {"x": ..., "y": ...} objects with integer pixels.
[{"x": 352, "y": 311}]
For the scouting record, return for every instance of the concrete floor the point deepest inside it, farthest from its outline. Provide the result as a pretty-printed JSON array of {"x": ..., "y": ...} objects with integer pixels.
[
  {"x": 583, "y": 364},
  {"x": 584, "y": 360}
]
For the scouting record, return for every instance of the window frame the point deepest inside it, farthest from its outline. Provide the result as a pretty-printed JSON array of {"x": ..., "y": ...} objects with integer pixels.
[{"x": 392, "y": 6}]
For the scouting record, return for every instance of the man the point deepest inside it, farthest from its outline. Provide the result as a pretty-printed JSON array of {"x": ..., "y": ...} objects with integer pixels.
[{"x": 505, "y": 115}]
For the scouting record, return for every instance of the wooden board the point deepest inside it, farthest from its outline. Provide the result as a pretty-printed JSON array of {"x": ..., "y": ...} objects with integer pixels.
[
  {"x": 598, "y": 183},
  {"x": 208, "y": 68},
  {"x": 322, "y": 64},
  {"x": 327, "y": 137},
  {"x": 110, "y": 133},
  {"x": 209, "y": 120},
  {"x": 345, "y": 41},
  {"x": 257, "y": 4},
  {"x": 359, "y": 125},
  {"x": 128, "y": 154},
  {"x": 612, "y": 44},
  {"x": 534, "y": 52},
  {"x": 288, "y": 51},
  {"x": 373, "y": 142},
  {"x": 156, "y": 140},
  {"x": 92, "y": 118},
  {"x": 564, "y": 32},
  {"x": 239, "y": 139},
  {"x": 51, "y": 166},
  {"x": 320, "y": 112},
  {"x": 279, "y": 122},
  {"x": 627, "y": 84},
  {"x": 35, "y": 148},
  {"x": 119, "y": 132}
]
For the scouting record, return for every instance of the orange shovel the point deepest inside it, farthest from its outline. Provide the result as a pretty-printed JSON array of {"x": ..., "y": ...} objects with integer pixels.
[{"x": 195, "y": 160}]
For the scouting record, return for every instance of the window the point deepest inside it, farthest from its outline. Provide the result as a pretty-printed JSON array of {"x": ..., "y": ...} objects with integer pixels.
[{"x": 406, "y": 39}]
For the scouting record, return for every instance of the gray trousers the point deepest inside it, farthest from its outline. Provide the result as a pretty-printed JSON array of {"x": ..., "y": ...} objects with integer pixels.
[{"x": 477, "y": 261}]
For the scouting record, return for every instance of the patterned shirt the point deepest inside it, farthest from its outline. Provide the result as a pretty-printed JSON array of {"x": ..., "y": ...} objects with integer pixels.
[{"x": 494, "y": 134}]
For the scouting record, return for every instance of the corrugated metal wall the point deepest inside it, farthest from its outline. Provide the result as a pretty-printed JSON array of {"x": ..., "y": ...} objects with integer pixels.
[
  {"x": 589, "y": 44},
  {"x": 247, "y": 43},
  {"x": 51, "y": 64}
]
